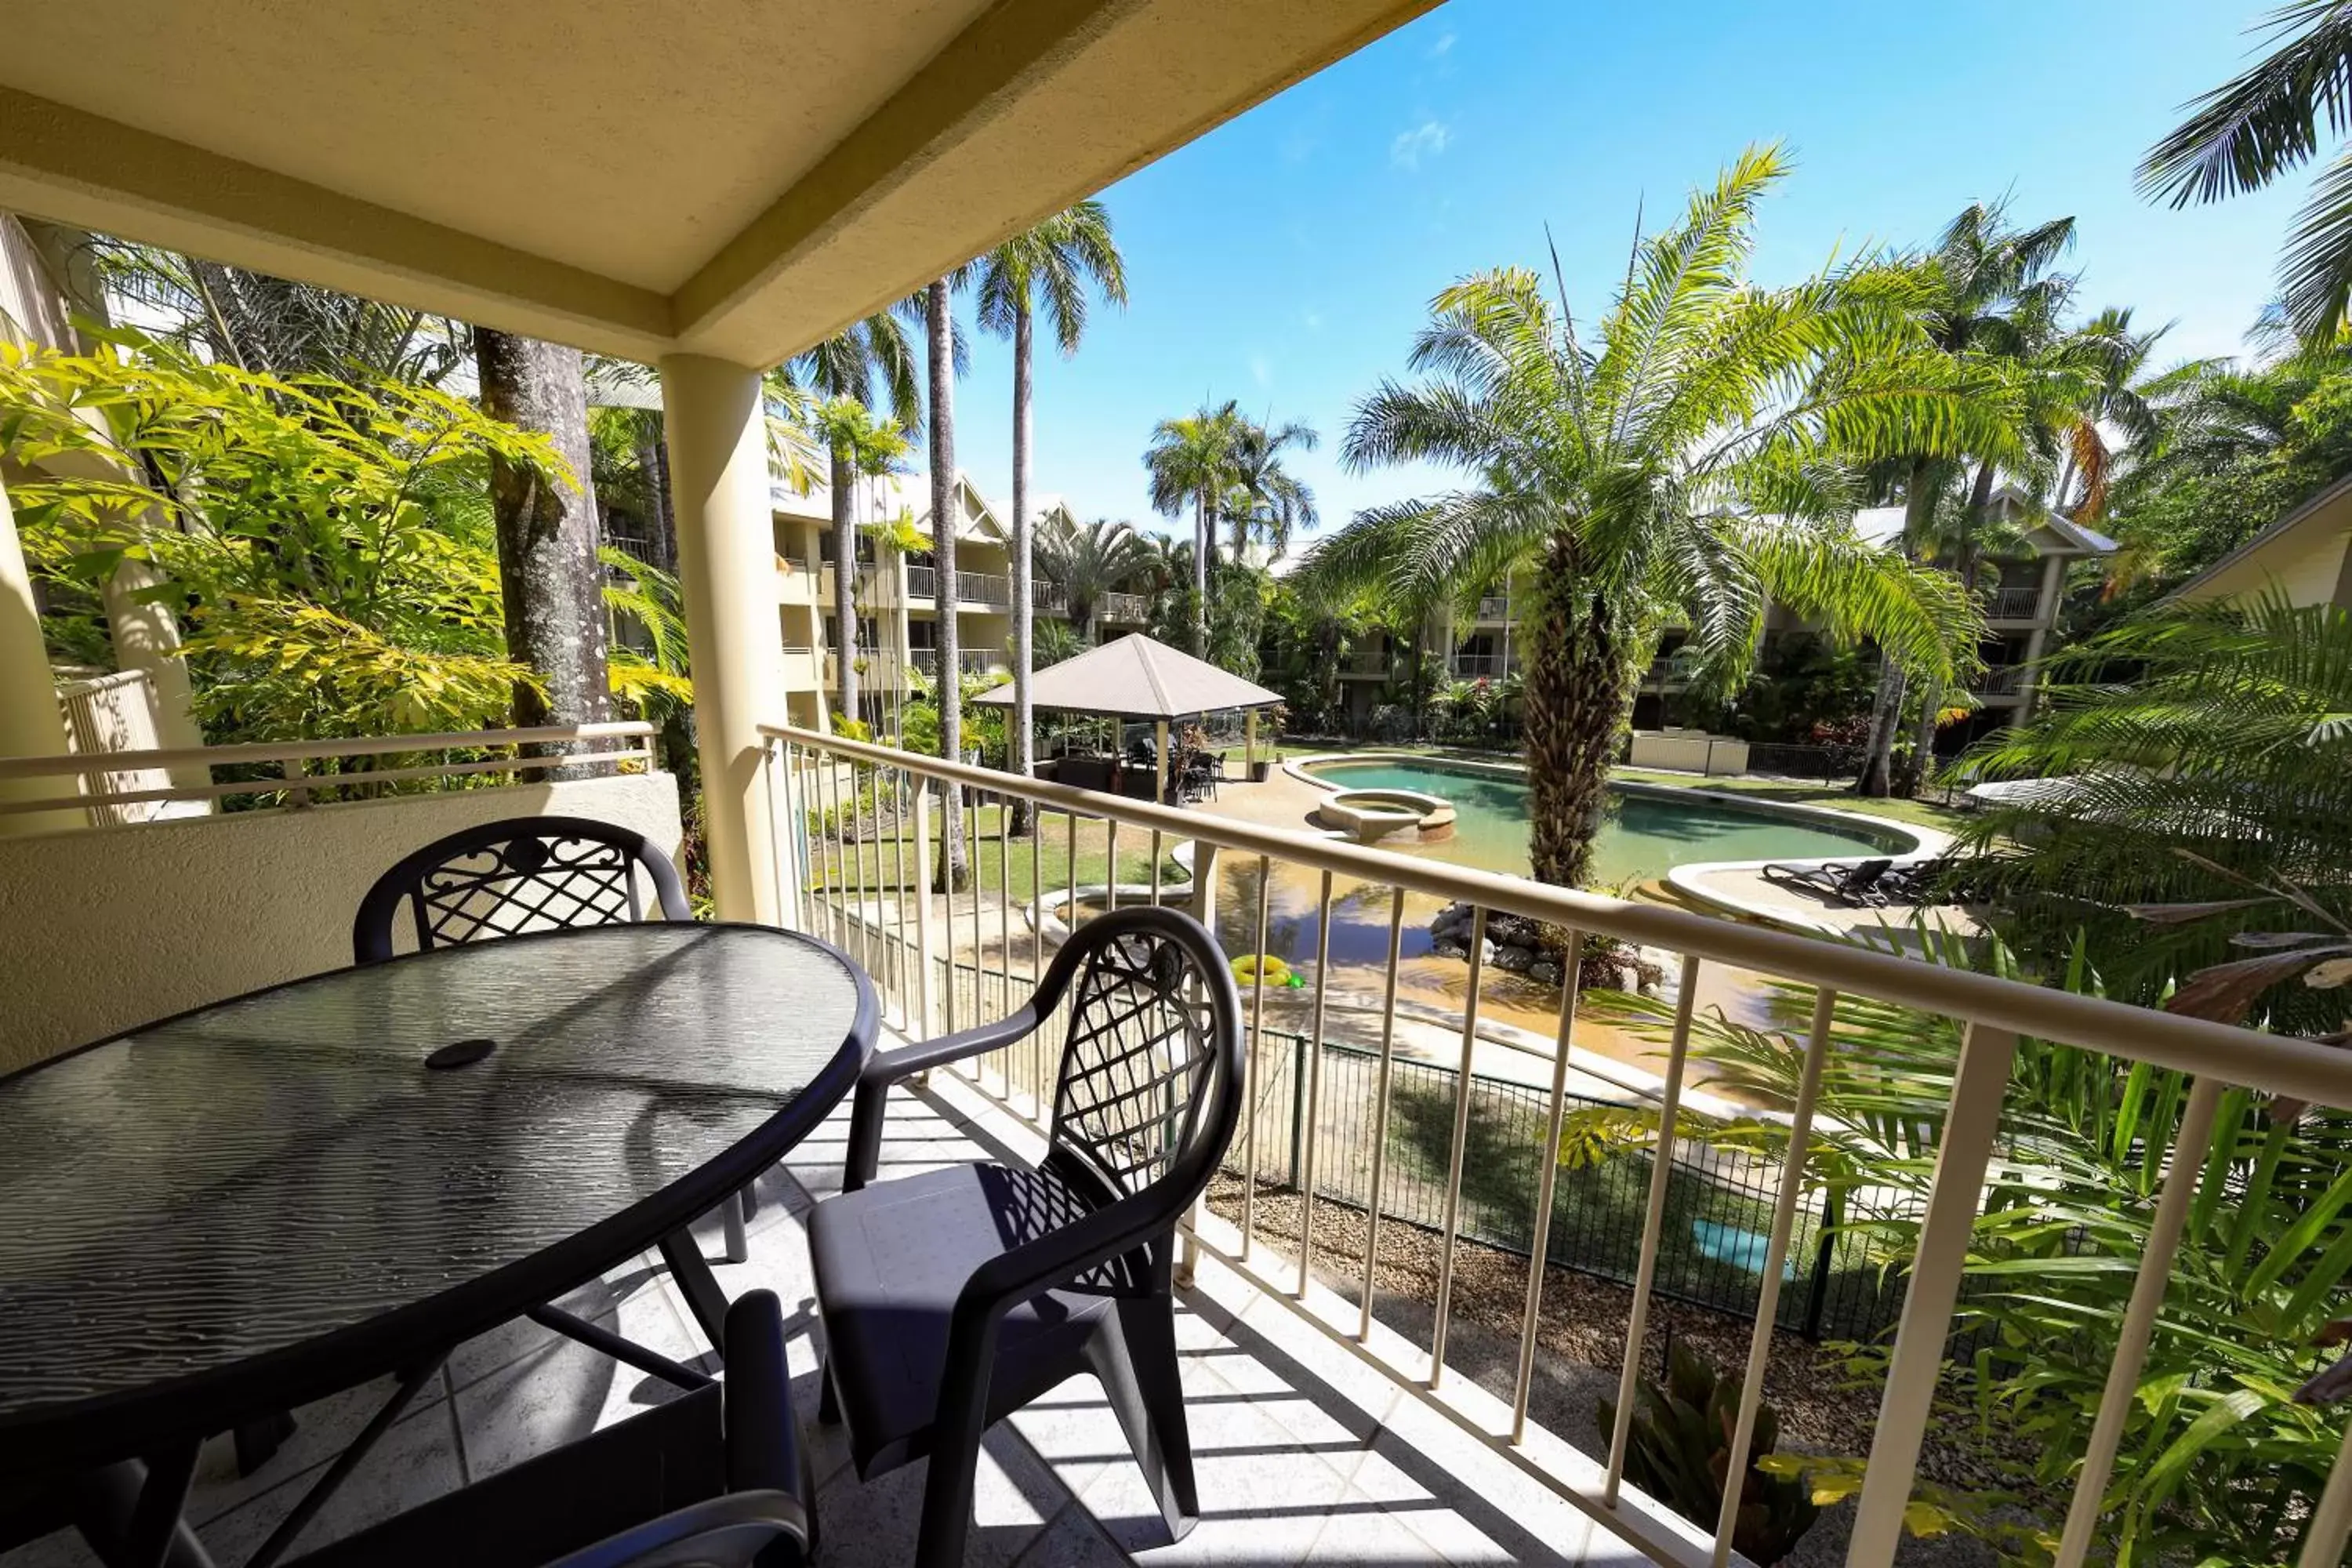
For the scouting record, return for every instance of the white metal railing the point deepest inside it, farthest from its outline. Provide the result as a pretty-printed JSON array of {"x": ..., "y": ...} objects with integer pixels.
[
  {"x": 922, "y": 582},
  {"x": 1367, "y": 661},
  {"x": 983, "y": 588},
  {"x": 1048, "y": 597},
  {"x": 2017, "y": 605},
  {"x": 1128, "y": 609},
  {"x": 2002, "y": 680},
  {"x": 291, "y": 771},
  {"x": 115, "y": 714},
  {"x": 932, "y": 962},
  {"x": 1477, "y": 666},
  {"x": 1494, "y": 607}
]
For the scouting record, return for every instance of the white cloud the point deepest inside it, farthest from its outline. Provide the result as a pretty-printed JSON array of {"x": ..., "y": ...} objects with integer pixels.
[
  {"x": 1444, "y": 42},
  {"x": 1426, "y": 140},
  {"x": 1261, "y": 370}
]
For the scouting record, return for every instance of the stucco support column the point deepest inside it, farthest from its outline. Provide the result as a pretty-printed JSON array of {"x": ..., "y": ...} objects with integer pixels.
[
  {"x": 716, "y": 437},
  {"x": 30, "y": 725}
]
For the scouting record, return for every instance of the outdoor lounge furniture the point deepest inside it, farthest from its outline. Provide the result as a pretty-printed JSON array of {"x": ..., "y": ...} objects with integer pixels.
[
  {"x": 953, "y": 1299},
  {"x": 1855, "y": 883},
  {"x": 716, "y": 1476},
  {"x": 523, "y": 874}
]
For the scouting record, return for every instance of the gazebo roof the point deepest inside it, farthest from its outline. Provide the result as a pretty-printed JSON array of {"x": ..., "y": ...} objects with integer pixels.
[{"x": 1136, "y": 677}]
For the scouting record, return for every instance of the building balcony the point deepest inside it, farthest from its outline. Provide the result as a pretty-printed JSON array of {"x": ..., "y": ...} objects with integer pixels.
[
  {"x": 971, "y": 660},
  {"x": 2015, "y": 604},
  {"x": 1494, "y": 607},
  {"x": 1366, "y": 664},
  {"x": 1124, "y": 609},
  {"x": 2001, "y": 681},
  {"x": 1480, "y": 665}
]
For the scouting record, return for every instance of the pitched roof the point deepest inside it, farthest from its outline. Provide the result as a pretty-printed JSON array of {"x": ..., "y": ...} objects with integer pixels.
[
  {"x": 2316, "y": 506},
  {"x": 1137, "y": 678}
]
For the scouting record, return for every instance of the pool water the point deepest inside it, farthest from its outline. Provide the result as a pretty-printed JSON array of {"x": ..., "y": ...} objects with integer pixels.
[{"x": 1645, "y": 836}]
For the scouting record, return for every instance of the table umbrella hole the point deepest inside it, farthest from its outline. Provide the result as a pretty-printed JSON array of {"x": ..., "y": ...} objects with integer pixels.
[{"x": 460, "y": 1053}]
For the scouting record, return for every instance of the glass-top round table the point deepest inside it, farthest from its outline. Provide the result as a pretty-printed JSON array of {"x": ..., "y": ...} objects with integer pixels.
[{"x": 255, "y": 1204}]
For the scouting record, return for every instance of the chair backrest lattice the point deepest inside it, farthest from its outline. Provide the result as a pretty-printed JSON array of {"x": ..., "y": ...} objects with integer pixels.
[
  {"x": 506, "y": 878},
  {"x": 1140, "y": 1054}
]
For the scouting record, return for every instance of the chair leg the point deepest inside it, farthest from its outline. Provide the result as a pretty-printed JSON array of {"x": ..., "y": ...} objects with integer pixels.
[
  {"x": 1135, "y": 1357},
  {"x": 828, "y": 1403},
  {"x": 734, "y": 1216},
  {"x": 947, "y": 1499}
]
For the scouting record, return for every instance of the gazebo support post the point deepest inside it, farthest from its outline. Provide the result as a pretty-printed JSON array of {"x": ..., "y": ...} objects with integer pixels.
[
  {"x": 1159, "y": 762},
  {"x": 1249, "y": 744}
]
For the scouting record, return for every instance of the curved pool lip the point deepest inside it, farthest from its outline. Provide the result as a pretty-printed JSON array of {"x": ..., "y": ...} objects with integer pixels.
[
  {"x": 1377, "y": 815},
  {"x": 1923, "y": 843}
]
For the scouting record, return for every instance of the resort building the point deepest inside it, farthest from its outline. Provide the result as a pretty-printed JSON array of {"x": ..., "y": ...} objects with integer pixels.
[
  {"x": 2304, "y": 556},
  {"x": 897, "y": 593},
  {"x": 2028, "y": 560}
]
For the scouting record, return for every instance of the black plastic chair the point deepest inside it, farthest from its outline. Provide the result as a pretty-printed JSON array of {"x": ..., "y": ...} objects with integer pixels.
[
  {"x": 715, "y": 1477},
  {"x": 951, "y": 1299},
  {"x": 524, "y": 874}
]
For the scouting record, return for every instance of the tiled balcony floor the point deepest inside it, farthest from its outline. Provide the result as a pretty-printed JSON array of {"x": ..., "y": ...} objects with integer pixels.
[{"x": 1305, "y": 1455}]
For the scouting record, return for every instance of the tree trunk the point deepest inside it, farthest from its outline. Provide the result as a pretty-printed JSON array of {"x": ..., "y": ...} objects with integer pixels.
[
  {"x": 845, "y": 584},
  {"x": 1023, "y": 743},
  {"x": 1202, "y": 544},
  {"x": 1577, "y": 696},
  {"x": 1931, "y": 696},
  {"x": 1887, "y": 713},
  {"x": 661, "y": 527},
  {"x": 952, "y": 873},
  {"x": 547, "y": 532}
]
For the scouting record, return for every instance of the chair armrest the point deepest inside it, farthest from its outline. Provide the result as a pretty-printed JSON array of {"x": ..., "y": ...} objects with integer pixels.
[
  {"x": 763, "y": 1440},
  {"x": 887, "y": 1068}
]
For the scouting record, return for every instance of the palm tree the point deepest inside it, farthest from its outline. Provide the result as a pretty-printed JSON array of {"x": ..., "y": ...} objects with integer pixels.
[
  {"x": 2257, "y": 127},
  {"x": 1192, "y": 461},
  {"x": 1992, "y": 297},
  {"x": 1088, "y": 560},
  {"x": 1263, "y": 500},
  {"x": 864, "y": 448},
  {"x": 1694, "y": 457},
  {"x": 943, "y": 360},
  {"x": 848, "y": 365},
  {"x": 1055, "y": 268}
]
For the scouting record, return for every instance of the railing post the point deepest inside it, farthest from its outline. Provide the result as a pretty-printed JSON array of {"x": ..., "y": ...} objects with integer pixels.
[
  {"x": 1299, "y": 1048},
  {"x": 294, "y": 770},
  {"x": 925, "y": 944},
  {"x": 1970, "y": 1126},
  {"x": 1824, "y": 1255}
]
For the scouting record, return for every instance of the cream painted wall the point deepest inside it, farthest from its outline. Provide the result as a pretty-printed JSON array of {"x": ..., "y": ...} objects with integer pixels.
[{"x": 104, "y": 929}]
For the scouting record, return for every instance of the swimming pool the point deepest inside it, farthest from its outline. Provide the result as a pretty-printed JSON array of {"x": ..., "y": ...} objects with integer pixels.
[{"x": 1650, "y": 830}]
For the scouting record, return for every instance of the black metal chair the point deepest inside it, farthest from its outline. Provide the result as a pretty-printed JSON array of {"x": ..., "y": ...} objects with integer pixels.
[
  {"x": 715, "y": 1477},
  {"x": 951, "y": 1299},
  {"x": 524, "y": 874}
]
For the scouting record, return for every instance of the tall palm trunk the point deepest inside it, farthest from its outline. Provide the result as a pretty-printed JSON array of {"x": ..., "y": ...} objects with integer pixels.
[
  {"x": 548, "y": 574},
  {"x": 1887, "y": 713},
  {"x": 952, "y": 872},
  {"x": 845, "y": 582},
  {"x": 1023, "y": 736},
  {"x": 661, "y": 527},
  {"x": 1577, "y": 699},
  {"x": 1202, "y": 543},
  {"x": 1931, "y": 697}
]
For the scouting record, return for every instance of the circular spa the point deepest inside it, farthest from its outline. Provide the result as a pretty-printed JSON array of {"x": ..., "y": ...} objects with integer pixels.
[{"x": 1387, "y": 816}]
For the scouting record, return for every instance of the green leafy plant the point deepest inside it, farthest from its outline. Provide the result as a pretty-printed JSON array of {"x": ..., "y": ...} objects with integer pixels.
[
  {"x": 328, "y": 545},
  {"x": 1680, "y": 1453}
]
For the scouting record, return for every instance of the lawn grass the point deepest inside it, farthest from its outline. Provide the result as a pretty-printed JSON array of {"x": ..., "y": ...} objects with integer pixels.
[{"x": 1001, "y": 864}]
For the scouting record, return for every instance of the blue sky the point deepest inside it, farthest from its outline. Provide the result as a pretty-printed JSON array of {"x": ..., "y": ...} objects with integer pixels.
[{"x": 1286, "y": 258}]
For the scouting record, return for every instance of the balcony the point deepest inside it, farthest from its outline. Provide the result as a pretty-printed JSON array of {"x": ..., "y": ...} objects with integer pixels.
[
  {"x": 1494, "y": 607},
  {"x": 1478, "y": 666},
  {"x": 2015, "y": 604},
  {"x": 1366, "y": 664},
  {"x": 2001, "y": 681},
  {"x": 1443, "y": 1305},
  {"x": 1125, "y": 609},
  {"x": 971, "y": 660}
]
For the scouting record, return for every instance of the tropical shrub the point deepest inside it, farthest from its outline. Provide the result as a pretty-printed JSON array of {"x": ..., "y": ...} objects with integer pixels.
[
  {"x": 328, "y": 545},
  {"x": 1679, "y": 1452},
  {"x": 2220, "y": 1460}
]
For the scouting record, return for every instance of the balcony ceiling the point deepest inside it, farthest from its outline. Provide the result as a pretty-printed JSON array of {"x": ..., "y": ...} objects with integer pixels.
[{"x": 732, "y": 177}]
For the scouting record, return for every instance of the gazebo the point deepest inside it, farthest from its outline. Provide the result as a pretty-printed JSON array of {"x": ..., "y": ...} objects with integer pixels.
[{"x": 1137, "y": 678}]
